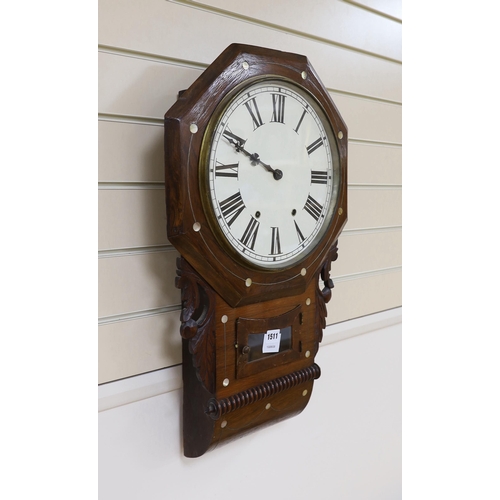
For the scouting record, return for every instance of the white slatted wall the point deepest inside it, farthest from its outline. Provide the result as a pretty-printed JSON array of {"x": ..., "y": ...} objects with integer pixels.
[{"x": 151, "y": 49}]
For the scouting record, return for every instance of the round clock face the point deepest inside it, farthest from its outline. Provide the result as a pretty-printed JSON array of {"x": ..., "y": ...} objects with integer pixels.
[{"x": 272, "y": 172}]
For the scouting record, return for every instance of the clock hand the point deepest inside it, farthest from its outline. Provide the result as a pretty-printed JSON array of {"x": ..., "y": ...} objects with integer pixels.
[
  {"x": 238, "y": 144},
  {"x": 277, "y": 174}
]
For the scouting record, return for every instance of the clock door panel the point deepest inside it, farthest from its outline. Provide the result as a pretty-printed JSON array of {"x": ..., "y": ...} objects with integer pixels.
[
  {"x": 251, "y": 336},
  {"x": 276, "y": 341}
]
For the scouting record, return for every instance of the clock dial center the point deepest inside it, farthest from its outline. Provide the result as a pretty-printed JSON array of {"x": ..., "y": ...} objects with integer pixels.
[{"x": 275, "y": 194}]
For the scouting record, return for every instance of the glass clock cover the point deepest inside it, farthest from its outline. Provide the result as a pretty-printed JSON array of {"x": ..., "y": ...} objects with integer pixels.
[{"x": 273, "y": 173}]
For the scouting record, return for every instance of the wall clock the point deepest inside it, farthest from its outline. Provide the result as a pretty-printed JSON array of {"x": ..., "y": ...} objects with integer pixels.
[{"x": 256, "y": 196}]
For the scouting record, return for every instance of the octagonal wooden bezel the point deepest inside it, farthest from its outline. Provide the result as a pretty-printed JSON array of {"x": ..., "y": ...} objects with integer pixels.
[{"x": 188, "y": 229}]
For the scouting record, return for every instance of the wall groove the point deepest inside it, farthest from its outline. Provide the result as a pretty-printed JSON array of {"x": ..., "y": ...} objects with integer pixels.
[
  {"x": 116, "y": 318},
  {"x": 136, "y": 54},
  {"x": 127, "y": 252},
  {"x": 137, "y": 120},
  {"x": 373, "y": 142},
  {"x": 366, "y": 274},
  {"x": 370, "y": 230},
  {"x": 127, "y": 185},
  {"x": 364, "y": 96},
  {"x": 374, "y": 186},
  {"x": 373, "y": 11}
]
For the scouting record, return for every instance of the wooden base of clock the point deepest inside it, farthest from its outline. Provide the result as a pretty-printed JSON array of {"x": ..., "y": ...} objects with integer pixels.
[{"x": 230, "y": 385}]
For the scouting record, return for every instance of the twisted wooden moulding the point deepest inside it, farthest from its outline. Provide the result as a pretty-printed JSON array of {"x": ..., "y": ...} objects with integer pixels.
[{"x": 217, "y": 409}]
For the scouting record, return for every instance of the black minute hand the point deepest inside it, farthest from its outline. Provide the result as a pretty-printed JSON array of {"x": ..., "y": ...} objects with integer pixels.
[{"x": 232, "y": 138}]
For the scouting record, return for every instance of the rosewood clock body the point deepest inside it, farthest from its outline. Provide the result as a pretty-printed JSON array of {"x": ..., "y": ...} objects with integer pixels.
[{"x": 256, "y": 195}]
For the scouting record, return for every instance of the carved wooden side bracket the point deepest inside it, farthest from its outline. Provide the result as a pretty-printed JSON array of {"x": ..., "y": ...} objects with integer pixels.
[
  {"x": 324, "y": 295},
  {"x": 197, "y": 321}
]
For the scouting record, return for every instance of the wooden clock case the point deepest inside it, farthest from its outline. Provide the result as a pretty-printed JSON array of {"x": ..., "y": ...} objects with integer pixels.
[{"x": 226, "y": 300}]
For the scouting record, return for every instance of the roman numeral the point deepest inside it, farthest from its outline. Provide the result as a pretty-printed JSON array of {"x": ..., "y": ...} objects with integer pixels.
[
  {"x": 250, "y": 234},
  {"x": 300, "y": 236},
  {"x": 314, "y": 146},
  {"x": 300, "y": 121},
  {"x": 313, "y": 208},
  {"x": 252, "y": 108},
  {"x": 319, "y": 177},
  {"x": 278, "y": 108},
  {"x": 232, "y": 207},
  {"x": 222, "y": 170},
  {"x": 275, "y": 241}
]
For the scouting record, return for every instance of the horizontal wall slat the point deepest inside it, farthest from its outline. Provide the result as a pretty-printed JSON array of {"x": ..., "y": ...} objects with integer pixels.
[
  {"x": 371, "y": 163},
  {"x": 331, "y": 20},
  {"x": 129, "y": 152},
  {"x": 373, "y": 208},
  {"x": 370, "y": 120},
  {"x": 132, "y": 218},
  {"x": 128, "y": 348},
  {"x": 359, "y": 297},
  {"x": 131, "y": 347},
  {"x": 131, "y": 86},
  {"x": 364, "y": 252},
  {"x": 137, "y": 283},
  {"x": 182, "y": 33}
]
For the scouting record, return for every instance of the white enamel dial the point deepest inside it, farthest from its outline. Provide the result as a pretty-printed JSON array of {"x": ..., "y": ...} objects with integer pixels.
[{"x": 273, "y": 173}]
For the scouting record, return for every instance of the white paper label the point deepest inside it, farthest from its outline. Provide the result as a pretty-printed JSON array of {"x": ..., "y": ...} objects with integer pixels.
[{"x": 272, "y": 341}]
